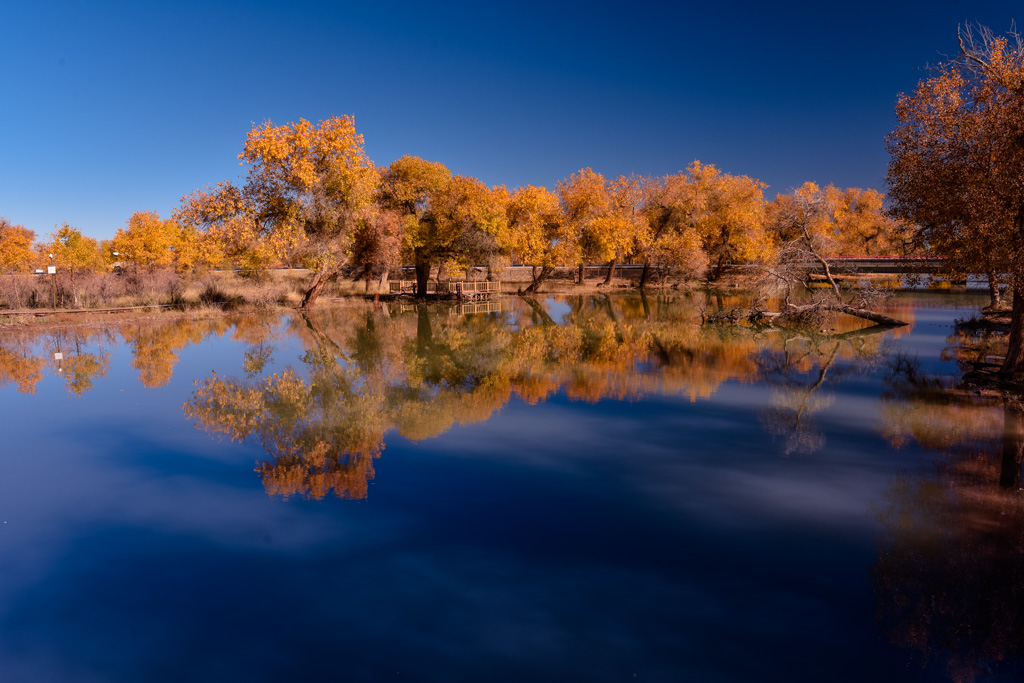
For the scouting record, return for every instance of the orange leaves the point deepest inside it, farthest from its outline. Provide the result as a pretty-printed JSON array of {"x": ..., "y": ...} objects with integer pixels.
[
  {"x": 147, "y": 240},
  {"x": 865, "y": 229},
  {"x": 602, "y": 216},
  {"x": 536, "y": 232},
  {"x": 16, "y": 254},
  {"x": 308, "y": 190},
  {"x": 300, "y": 157},
  {"x": 72, "y": 249},
  {"x": 957, "y": 154},
  {"x": 703, "y": 214}
]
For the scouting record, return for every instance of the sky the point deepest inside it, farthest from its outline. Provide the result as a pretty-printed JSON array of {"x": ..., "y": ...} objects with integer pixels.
[{"x": 107, "y": 108}]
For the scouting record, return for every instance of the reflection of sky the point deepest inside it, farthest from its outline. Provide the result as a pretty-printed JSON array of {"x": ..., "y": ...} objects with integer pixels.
[
  {"x": 661, "y": 539},
  {"x": 557, "y": 309}
]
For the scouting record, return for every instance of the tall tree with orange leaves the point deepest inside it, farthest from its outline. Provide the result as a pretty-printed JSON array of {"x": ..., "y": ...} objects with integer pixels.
[
  {"x": 728, "y": 213},
  {"x": 957, "y": 167},
  {"x": 307, "y": 190},
  {"x": 537, "y": 232}
]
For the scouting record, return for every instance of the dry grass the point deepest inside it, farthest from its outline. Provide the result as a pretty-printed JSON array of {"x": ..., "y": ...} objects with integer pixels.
[{"x": 149, "y": 288}]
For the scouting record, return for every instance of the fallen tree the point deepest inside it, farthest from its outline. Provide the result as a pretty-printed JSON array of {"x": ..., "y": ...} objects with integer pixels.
[{"x": 804, "y": 226}]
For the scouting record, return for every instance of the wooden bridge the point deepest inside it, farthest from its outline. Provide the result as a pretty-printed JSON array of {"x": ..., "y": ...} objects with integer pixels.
[
  {"x": 885, "y": 265},
  {"x": 475, "y": 289}
]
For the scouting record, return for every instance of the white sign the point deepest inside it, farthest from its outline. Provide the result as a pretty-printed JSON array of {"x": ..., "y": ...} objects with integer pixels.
[
  {"x": 51, "y": 270},
  {"x": 58, "y": 356}
]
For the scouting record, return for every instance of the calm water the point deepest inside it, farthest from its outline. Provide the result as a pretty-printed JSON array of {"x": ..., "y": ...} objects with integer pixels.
[{"x": 588, "y": 489}]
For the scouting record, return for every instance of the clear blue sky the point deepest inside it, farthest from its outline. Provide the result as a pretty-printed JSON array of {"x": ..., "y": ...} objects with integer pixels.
[{"x": 112, "y": 107}]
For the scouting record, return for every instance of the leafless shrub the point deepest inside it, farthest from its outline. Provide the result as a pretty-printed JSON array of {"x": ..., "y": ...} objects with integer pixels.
[{"x": 24, "y": 291}]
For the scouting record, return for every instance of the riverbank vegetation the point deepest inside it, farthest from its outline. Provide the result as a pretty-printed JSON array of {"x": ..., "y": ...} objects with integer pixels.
[{"x": 312, "y": 198}]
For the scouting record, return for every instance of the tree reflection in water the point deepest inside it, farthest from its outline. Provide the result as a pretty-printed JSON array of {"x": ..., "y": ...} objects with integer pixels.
[
  {"x": 952, "y": 550},
  {"x": 418, "y": 372},
  {"x": 952, "y": 544}
]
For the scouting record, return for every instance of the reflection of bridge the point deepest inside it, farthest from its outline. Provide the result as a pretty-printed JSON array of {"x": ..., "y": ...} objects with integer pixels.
[{"x": 462, "y": 309}]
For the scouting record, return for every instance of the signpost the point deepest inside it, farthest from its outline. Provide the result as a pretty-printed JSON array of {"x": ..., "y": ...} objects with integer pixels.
[{"x": 51, "y": 270}]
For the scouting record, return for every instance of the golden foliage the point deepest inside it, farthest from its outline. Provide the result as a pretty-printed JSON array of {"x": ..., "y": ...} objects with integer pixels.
[
  {"x": 73, "y": 250},
  {"x": 16, "y": 255},
  {"x": 148, "y": 241}
]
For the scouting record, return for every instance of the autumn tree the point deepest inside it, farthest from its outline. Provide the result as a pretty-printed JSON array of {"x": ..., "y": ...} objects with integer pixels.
[
  {"x": 617, "y": 230},
  {"x": 147, "y": 240},
  {"x": 16, "y": 255},
  {"x": 226, "y": 225},
  {"x": 74, "y": 253},
  {"x": 957, "y": 167},
  {"x": 448, "y": 219},
  {"x": 727, "y": 212},
  {"x": 377, "y": 246},
  {"x": 865, "y": 229},
  {"x": 537, "y": 232},
  {"x": 584, "y": 199},
  {"x": 410, "y": 187},
  {"x": 307, "y": 190},
  {"x": 671, "y": 241}
]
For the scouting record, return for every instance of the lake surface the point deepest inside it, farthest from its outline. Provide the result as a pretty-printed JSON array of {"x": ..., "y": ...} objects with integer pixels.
[{"x": 594, "y": 489}]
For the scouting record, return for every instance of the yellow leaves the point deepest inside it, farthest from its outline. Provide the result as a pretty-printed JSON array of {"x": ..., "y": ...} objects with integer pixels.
[
  {"x": 23, "y": 369},
  {"x": 300, "y": 157},
  {"x": 864, "y": 229},
  {"x": 535, "y": 228},
  {"x": 147, "y": 240},
  {"x": 71, "y": 249},
  {"x": 16, "y": 253},
  {"x": 410, "y": 186},
  {"x": 603, "y": 217}
]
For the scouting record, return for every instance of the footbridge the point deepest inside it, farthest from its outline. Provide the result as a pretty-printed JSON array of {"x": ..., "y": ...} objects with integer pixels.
[{"x": 885, "y": 265}]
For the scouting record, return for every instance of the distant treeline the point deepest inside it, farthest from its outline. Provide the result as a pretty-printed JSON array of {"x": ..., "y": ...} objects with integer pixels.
[{"x": 312, "y": 198}]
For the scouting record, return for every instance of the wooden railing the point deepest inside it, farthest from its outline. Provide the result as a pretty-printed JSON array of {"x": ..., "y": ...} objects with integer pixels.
[{"x": 474, "y": 288}]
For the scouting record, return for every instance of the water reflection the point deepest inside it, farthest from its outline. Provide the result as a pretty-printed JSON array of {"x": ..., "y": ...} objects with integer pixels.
[
  {"x": 952, "y": 551},
  {"x": 418, "y": 373},
  {"x": 671, "y": 511}
]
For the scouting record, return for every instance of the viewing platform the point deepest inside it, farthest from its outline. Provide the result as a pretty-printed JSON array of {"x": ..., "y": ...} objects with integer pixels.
[{"x": 460, "y": 289}]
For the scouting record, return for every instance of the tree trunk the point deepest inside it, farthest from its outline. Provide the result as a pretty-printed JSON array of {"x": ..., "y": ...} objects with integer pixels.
[
  {"x": 422, "y": 275},
  {"x": 320, "y": 280},
  {"x": 540, "y": 316},
  {"x": 538, "y": 279},
  {"x": 1013, "y": 446},
  {"x": 995, "y": 297},
  {"x": 582, "y": 274},
  {"x": 864, "y": 313},
  {"x": 719, "y": 267},
  {"x": 611, "y": 273},
  {"x": 440, "y": 275},
  {"x": 877, "y": 318},
  {"x": 424, "y": 335},
  {"x": 644, "y": 275},
  {"x": 533, "y": 274},
  {"x": 1015, "y": 348},
  {"x": 383, "y": 284},
  {"x": 74, "y": 290}
]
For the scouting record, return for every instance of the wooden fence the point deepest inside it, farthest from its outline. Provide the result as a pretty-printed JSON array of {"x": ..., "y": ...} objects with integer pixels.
[{"x": 476, "y": 289}]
